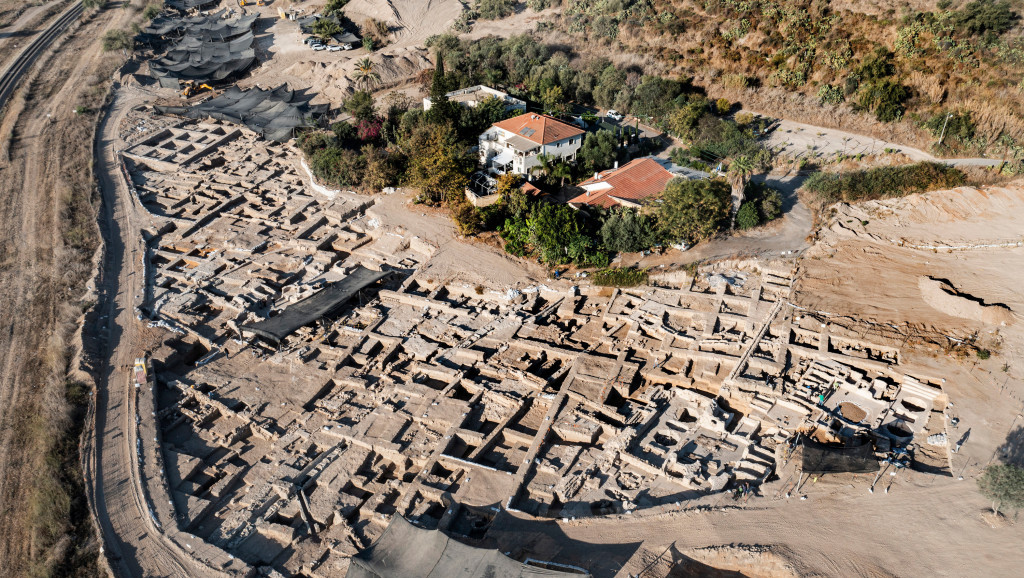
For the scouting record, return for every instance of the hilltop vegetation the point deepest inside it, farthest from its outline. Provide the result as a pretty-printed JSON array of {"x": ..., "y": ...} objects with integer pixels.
[{"x": 826, "y": 64}]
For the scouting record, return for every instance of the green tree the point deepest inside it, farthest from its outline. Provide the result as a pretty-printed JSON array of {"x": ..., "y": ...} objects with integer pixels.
[
  {"x": 599, "y": 151},
  {"x": 553, "y": 99},
  {"x": 747, "y": 217},
  {"x": 360, "y": 105},
  {"x": 436, "y": 165},
  {"x": 1004, "y": 485},
  {"x": 334, "y": 6},
  {"x": 326, "y": 28},
  {"x": 740, "y": 170},
  {"x": 553, "y": 228},
  {"x": 693, "y": 210},
  {"x": 626, "y": 230},
  {"x": 985, "y": 17}
]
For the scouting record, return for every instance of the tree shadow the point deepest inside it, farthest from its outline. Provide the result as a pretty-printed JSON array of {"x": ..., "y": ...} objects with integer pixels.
[{"x": 1012, "y": 450}]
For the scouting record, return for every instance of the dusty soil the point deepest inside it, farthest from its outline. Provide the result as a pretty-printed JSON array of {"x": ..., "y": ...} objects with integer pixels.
[{"x": 45, "y": 260}]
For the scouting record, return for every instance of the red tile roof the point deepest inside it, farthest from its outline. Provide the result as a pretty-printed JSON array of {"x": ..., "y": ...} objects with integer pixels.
[
  {"x": 539, "y": 128},
  {"x": 636, "y": 180}
]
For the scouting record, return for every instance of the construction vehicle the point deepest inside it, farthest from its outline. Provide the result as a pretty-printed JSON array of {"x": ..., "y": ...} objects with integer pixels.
[
  {"x": 192, "y": 88},
  {"x": 244, "y": 3}
]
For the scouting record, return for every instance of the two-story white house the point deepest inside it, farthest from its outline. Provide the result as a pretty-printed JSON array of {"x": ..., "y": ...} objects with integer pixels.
[{"x": 512, "y": 145}]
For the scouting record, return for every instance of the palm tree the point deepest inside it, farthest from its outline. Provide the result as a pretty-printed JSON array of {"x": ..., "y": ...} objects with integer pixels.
[
  {"x": 365, "y": 73},
  {"x": 740, "y": 170},
  {"x": 561, "y": 171}
]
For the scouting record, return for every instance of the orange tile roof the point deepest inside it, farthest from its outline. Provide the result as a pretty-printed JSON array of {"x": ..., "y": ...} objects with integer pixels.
[
  {"x": 636, "y": 180},
  {"x": 539, "y": 128}
]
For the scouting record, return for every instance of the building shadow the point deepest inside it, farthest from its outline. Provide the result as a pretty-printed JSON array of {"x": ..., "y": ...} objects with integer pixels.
[{"x": 523, "y": 539}]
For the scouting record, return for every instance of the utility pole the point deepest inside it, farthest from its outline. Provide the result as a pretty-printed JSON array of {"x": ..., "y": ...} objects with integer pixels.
[{"x": 943, "y": 135}]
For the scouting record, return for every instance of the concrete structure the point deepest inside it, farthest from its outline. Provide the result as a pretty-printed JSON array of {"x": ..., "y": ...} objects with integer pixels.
[
  {"x": 513, "y": 145},
  {"x": 474, "y": 95}
]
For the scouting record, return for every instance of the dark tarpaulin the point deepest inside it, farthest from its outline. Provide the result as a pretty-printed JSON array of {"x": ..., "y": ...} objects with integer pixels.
[
  {"x": 405, "y": 551},
  {"x": 274, "y": 114},
  {"x": 184, "y": 5},
  {"x": 316, "y": 306},
  {"x": 828, "y": 459},
  {"x": 210, "y": 48}
]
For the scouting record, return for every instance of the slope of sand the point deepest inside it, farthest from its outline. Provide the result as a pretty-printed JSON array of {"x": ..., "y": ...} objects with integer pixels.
[{"x": 869, "y": 258}]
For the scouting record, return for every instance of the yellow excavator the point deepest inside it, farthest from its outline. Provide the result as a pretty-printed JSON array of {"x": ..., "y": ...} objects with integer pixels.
[
  {"x": 244, "y": 3},
  {"x": 193, "y": 88}
]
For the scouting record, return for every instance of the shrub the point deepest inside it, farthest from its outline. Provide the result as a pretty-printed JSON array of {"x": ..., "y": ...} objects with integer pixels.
[
  {"x": 960, "y": 127},
  {"x": 722, "y": 106},
  {"x": 117, "y": 40},
  {"x": 747, "y": 217},
  {"x": 883, "y": 182},
  {"x": 744, "y": 118},
  {"x": 829, "y": 94},
  {"x": 619, "y": 277},
  {"x": 467, "y": 218},
  {"x": 151, "y": 11},
  {"x": 983, "y": 354},
  {"x": 495, "y": 9}
]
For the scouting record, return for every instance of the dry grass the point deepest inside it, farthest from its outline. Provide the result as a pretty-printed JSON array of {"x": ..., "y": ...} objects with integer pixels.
[
  {"x": 45, "y": 517},
  {"x": 697, "y": 39}
]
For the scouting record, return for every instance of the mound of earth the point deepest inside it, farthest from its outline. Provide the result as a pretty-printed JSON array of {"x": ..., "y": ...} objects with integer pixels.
[
  {"x": 944, "y": 297},
  {"x": 869, "y": 260}
]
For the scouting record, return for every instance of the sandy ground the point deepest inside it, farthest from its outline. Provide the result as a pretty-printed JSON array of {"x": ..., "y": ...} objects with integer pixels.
[
  {"x": 456, "y": 260},
  {"x": 524, "y": 20},
  {"x": 20, "y": 32},
  {"x": 51, "y": 148},
  {"x": 799, "y": 140},
  {"x": 286, "y": 59}
]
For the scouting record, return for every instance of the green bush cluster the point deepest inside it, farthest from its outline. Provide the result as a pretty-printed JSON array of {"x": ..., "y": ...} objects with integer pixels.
[
  {"x": 883, "y": 182},
  {"x": 620, "y": 277},
  {"x": 762, "y": 204},
  {"x": 495, "y": 9}
]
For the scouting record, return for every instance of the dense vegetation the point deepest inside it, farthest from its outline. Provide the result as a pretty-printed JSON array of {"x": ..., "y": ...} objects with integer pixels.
[
  {"x": 430, "y": 150},
  {"x": 882, "y": 182},
  {"x": 900, "y": 63}
]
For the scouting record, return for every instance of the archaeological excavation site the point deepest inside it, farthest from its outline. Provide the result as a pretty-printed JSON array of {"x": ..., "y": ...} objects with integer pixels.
[{"x": 494, "y": 289}]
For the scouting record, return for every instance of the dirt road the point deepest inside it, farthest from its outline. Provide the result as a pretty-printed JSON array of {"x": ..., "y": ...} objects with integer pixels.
[
  {"x": 136, "y": 546},
  {"x": 801, "y": 140}
]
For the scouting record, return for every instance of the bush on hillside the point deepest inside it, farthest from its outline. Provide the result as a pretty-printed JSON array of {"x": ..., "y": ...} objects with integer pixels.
[{"x": 883, "y": 182}]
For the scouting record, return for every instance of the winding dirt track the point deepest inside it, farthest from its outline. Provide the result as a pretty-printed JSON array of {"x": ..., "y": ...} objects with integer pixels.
[{"x": 136, "y": 546}]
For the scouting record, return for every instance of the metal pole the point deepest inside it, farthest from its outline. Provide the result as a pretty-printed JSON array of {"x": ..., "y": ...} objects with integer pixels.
[{"x": 943, "y": 135}]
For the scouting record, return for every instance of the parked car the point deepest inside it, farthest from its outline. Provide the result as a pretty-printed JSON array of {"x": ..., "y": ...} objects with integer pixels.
[
  {"x": 310, "y": 40},
  {"x": 346, "y": 46},
  {"x": 334, "y": 48},
  {"x": 614, "y": 115},
  {"x": 319, "y": 47}
]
